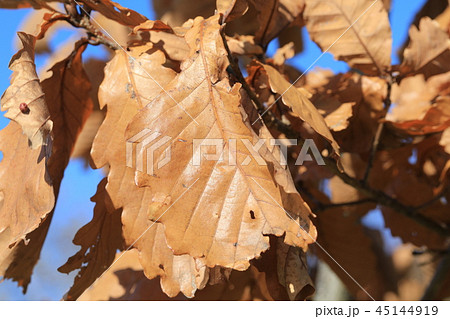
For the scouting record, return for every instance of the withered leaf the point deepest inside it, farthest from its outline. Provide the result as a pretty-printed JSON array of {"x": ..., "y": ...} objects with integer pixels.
[
  {"x": 16, "y": 4},
  {"x": 115, "y": 11},
  {"x": 429, "y": 50},
  {"x": 366, "y": 44},
  {"x": 126, "y": 89},
  {"x": 297, "y": 100},
  {"x": 30, "y": 181},
  {"x": 99, "y": 241},
  {"x": 26, "y": 189},
  {"x": 276, "y": 15},
  {"x": 231, "y": 207},
  {"x": 231, "y": 9},
  {"x": 17, "y": 262},
  {"x": 24, "y": 100}
]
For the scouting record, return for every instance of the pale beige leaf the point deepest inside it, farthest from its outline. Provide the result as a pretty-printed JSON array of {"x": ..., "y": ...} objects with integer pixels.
[
  {"x": 230, "y": 208},
  {"x": 366, "y": 45},
  {"x": 284, "y": 53},
  {"x": 429, "y": 50},
  {"x": 26, "y": 189},
  {"x": 296, "y": 99},
  {"x": 16, "y": 4},
  {"x": 244, "y": 45},
  {"x": 24, "y": 100}
]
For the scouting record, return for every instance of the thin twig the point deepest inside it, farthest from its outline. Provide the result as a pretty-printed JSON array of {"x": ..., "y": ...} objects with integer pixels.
[
  {"x": 323, "y": 207},
  {"x": 379, "y": 132},
  {"x": 82, "y": 20}
]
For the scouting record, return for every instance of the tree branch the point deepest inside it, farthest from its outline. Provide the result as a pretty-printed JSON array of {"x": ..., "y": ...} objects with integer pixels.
[
  {"x": 82, "y": 20},
  {"x": 379, "y": 132}
]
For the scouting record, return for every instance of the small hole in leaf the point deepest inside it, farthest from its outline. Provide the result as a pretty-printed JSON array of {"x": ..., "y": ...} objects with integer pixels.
[
  {"x": 161, "y": 266},
  {"x": 252, "y": 215}
]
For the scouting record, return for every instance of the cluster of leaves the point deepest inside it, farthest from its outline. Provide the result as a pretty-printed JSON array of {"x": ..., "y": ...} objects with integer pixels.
[{"x": 240, "y": 228}]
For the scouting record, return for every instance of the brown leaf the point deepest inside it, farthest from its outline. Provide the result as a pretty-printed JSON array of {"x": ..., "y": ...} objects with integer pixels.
[
  {"x": 24, "y": 100},
  {"x": 296, "y": 99},
  {"x": 69, "y": 111},
  {"x": 126, "y": 281},
  {"x": 36, "y": 4},
  {"x": 367, "y": 43},
  {"x": 67, "y": 94},
  {"x": 99, "y": 241},
  {"x": 26, "y": 190},
  {"x": 286, "y": 274},
  {"x": 124, "y": 91},
  {"x": 116, "y": 12},
  {"x": 276, "y": 15},
  {"x": 236, "y": 200},
  {"x": 231, "y": 9},
  {"x": 17, "y": 262},
  {"x": 428, "y": 52},
  {"x": 436, "y": 119},
  {"x": 244, "y": 45},
  {"x": 414, "y": 96},
  {"x": 284, "y": 53}
]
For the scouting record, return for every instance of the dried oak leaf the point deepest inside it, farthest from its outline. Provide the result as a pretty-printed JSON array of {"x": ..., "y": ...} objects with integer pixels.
[
  {"x": 26, "y": 192},
  {"x": 366, "y": 44},
  {"x": 17, "y": 261},
  {"x": 115, "y": 11},
  {"x": 231, "y": 9},
  {"x": 24, "y": 99},
  {"x": 429, "y": 50},
  {"x": 414, "y": 96},
  {"x": 437, "y": 119},
  {"x": 225, "y": 210},
  {"x": 99, "y": 241},
  {"x": 17, "y": 4},
  {"x": 26, "y": 189},
  {"x": 274, "y": 16},
  {"x": 285, "y": 271},
  {"x": 300, "y": 105},
  {"x": 68, "y": 109},
  {"x": 128, "y": 87},
  {"x": 125, "y": 280}
]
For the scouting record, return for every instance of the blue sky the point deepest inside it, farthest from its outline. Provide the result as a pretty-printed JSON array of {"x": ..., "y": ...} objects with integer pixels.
[{"x": 74, "y": 208}]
